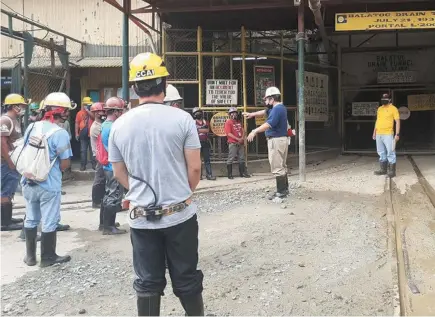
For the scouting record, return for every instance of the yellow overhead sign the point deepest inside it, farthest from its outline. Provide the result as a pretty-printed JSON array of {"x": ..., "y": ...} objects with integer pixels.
[
  {"x": 421, "y": 102},
  {"x": 371, "y": 21}
]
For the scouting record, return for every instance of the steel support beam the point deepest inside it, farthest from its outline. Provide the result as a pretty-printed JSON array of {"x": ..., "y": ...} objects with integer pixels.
[
  {"x": 138, "y": 22},
  {"x": 16, "y": 16},
  {"x": 301, "y": 39},
  {"x": 234, "y": 7},
  {"x": 315, "y": 7},
  {"x": 20, "y": 36}
]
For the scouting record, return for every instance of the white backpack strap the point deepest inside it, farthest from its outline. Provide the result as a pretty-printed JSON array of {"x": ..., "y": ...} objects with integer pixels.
[
  {"x": 12, "y": 122},
  {"x": 52, "y": 131}
]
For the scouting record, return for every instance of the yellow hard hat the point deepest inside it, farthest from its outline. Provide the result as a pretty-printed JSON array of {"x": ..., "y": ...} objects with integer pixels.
[
  {"x": 146, "y": 66},
  {"x": 15, "y": 99},
  {"x": 58, "y": 99},
  {"x": 87, "y": 101}
]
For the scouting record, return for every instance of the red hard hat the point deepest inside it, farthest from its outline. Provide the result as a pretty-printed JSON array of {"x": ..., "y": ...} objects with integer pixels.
[
  {"x": 97, "y": 106},
  {"x": 115, "y": 103}
]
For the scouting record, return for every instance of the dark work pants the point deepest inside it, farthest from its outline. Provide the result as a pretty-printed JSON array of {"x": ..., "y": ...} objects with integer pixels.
[
  {"x": 179, "y": 244},
  {"x": 114, "y": 192},
  {"x": 98, "y": 188},
  {"x": 84, "y": 147},
  {"x": 205, "y": 153}
]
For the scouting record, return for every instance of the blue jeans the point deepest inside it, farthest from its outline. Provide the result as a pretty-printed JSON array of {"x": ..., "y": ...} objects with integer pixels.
[
  {"x": 9, "y": 181},
  {"x": 41, "y": 204},
  {"x": 384, "y": 147}
]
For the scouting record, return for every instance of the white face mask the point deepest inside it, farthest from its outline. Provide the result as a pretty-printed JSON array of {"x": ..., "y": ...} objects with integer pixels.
[{"x": 20, "y": 111}]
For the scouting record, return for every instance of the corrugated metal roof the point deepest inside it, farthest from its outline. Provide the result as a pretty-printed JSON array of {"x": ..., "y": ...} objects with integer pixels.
[
  {"x": 87, "y": 62},
  {"x": 37, "y": 62},
  {"x": 9, "y": 63},
  {"x": 96, "y": 62}
]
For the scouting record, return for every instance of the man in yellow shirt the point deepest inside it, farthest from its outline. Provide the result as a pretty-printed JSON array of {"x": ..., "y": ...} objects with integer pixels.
[{"x": 384, "y": 136}]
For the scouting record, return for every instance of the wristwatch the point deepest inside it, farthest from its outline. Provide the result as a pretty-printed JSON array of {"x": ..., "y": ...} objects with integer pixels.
[{"x": 397, "y": 134}]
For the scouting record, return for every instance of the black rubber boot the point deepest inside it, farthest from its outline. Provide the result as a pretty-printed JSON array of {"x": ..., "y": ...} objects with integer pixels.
[
  {"x": 208, "y": 172},
  {"x": 6, "y": 218},
  {"x": 109, "y": 224},
  {"x": 230, "y": 171},
  {"x": 16, "y": 220},
  {"x": 383, "y": 168},
  {"x": 193, "y": 305},
  {"x": 22, "y": 236},
  {"x": 242, "y": 170},
  {"x": 31, "y": 234},
  {"x": 101, "y": 226},
  {"x": 281, "y": 186},
  {"x": 392, "y": 170},
  {"x": 61, "y": 227},
  {"x": 148, "y": 306},
  {"x": 48, "y": 250}
]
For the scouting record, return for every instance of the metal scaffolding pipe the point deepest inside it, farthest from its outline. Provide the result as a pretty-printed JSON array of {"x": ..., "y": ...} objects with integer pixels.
[
  {"x": 125, "y": 51},
  {"x": 315, "y": 6}
]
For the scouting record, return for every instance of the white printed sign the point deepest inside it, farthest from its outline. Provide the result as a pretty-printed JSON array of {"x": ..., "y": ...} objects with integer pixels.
[
  {"x": 316, "y": 96},
  {"x": 404, "y": 113},
  {"x": 364, "y": 109},
  {"x": 221, "y": 92},
  {"x": 397, "y": 77}
]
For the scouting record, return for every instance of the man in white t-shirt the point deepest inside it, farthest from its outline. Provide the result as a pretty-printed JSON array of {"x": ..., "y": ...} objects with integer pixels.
[{"x": 155, "y": 154}]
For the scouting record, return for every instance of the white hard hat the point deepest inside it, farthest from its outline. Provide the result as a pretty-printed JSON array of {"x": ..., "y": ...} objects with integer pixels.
[
  {"x": 172, "y": 94},
  {"x": 58, "y": 99},
  {"x": 271, "y": 91}
]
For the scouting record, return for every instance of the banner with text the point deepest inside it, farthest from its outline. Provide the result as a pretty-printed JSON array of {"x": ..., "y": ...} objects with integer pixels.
[
  {"x": 389, "y": 67},
  {"x": 221, "y": 92},
  {"x": 367, "y": 21},
  {"x": 316, "y": 96},
  {"x": 366, "y": 109},
  {"x": 264, "y": 77},
  {"x": 421, "y": 102}
]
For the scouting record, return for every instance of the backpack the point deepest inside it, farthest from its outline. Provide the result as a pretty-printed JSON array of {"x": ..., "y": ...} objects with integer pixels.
[
  {"x": 101, "y": 153},
  {"x": 32, "y": 156}
]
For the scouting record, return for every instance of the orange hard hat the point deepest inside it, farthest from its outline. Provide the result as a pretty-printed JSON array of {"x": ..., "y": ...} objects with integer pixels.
[
  {"x": 115, "y": 103},
  {"x": 97, "y": 106}
]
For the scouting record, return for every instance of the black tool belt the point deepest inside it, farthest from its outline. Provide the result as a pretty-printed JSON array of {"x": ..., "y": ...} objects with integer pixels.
[{"x": 157, "y": 212}]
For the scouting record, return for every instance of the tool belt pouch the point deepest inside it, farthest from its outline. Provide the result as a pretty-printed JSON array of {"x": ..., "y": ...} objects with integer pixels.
[{"x": 152, "y": 214}]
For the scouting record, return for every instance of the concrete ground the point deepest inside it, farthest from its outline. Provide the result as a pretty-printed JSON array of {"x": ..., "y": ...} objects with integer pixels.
[{"x": 322, "y": 251}]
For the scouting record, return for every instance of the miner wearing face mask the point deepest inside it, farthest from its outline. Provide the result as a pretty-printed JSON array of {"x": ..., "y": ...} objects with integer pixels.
[
  {"x": 172, "y": 97},
  {"x": 203, "y": 129},
  {"x": 385, "y": 137},
  {"x": 275, "y": 129},
  {"x": 236, "y": 141},
  {"x": 14, "y": 107},
  {"x": 98, "y": 188}
]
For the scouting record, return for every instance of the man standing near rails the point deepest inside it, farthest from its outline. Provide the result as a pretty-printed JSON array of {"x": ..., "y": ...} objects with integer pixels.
[
  {"x": 275, "y": 129},
  {"x": 385, "y": 138}
]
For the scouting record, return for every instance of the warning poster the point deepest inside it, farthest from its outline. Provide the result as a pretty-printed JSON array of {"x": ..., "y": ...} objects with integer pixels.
[
  {"x": 221, "y": 92},
  {"x": 316, "y": 96},
  {"x": 264, "y": 77},
  {"x": 217, "y": 123}
]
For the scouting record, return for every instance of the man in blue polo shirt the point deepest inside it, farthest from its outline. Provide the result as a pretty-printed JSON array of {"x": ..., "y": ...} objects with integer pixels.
[{"x": 275, "y": 129}]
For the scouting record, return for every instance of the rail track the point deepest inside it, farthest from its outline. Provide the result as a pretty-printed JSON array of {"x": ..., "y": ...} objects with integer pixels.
[{"x": 404, "y": 283}]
